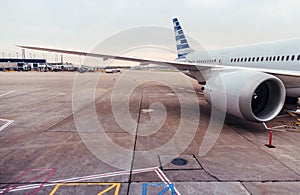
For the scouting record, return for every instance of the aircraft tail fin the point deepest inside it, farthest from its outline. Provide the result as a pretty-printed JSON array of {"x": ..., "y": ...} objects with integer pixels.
[{"x": 183, "y": 47}]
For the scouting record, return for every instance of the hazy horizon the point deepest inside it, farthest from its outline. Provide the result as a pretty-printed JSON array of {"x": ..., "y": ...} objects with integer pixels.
[{"x": 82, "y": 25}]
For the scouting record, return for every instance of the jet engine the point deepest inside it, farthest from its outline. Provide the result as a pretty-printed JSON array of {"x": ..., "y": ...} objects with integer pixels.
[{"x": 251, "y": 95}]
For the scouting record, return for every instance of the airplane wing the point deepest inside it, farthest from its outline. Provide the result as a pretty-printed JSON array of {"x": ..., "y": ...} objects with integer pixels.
[{"x": 176, "y": 64}]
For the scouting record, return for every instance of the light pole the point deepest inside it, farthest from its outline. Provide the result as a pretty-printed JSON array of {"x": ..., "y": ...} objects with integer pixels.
[
  {"x": 17, "y": 55},
  {"x": 3, "y": 54}
]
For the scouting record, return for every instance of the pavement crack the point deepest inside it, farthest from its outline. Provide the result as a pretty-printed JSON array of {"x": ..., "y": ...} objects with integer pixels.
[
  {"x": 135, "y": 140},
  {"x": 207, "y": 172}
]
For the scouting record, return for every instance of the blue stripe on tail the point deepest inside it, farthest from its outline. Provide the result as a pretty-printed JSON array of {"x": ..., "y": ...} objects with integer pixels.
[{"x": 183, "y": 47}]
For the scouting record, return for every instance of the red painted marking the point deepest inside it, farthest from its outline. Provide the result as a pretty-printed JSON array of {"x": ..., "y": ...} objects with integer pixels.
[
  {"x": 49, "y": 174},
  {"x": 12, "y": 186},
  {"x": 52, "y": 171}
]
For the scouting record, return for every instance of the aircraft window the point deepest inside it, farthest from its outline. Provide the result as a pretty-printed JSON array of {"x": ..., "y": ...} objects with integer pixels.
[
  {"x": 253, "y": 59},
  {"x": 249, "y": 59},
  {"x": 231, "y": 60},
  {"x": 282, "y": 58},
  {"x": 234, "y": 59},
  {"x": 274, "y": 58},
  {"x": 262, "y": 59},
  {"x": 287, "y": 58},
  {"x": 278, "y": 58},
  {"x": 257, "y": 59},
  {"x": 298, "y": 58},
  {"x": 238, "y": 60},
  {"x": 242, "y": 59},
  {"x": 293, "y": 58}
]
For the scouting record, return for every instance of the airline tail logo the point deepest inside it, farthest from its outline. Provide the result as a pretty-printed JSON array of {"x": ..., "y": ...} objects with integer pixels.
[{"x": 182, "y": 45}]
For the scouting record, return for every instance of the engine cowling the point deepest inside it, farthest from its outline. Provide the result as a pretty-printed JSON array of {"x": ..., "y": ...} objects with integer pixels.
[{"x": 250, "y": 95}]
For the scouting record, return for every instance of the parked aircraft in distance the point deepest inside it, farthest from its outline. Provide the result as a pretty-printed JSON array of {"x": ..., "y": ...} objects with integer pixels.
[{"x": 258, "y": 79}]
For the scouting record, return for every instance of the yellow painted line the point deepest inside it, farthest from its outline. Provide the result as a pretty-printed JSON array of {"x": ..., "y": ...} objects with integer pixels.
[
  {"x": 117, "y": 185},
  {"x": 112, "y": 185},
  {"x": 55, "y": 189}
]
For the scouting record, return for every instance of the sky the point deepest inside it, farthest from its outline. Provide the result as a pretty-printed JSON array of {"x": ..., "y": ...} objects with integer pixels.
[{"x": 83, "y": 25}]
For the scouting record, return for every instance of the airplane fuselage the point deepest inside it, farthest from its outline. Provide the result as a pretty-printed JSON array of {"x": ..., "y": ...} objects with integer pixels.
[{"x": 280, "y": 55}]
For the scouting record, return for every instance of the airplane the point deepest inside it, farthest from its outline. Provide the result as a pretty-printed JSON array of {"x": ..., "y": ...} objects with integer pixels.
[{"x": 258, "y": 79}]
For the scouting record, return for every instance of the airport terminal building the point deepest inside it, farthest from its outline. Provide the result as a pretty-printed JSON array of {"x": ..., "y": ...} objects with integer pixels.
[
  {"x": 9, "y": 64},
  {"x": 20, "y": 64}
]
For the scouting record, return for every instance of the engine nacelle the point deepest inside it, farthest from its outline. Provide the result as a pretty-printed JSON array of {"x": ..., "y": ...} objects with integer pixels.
[{"x": 250, "y": 95}]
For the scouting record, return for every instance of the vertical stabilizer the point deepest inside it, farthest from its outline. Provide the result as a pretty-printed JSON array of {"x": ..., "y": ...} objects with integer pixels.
[{"x": 183, "y": 47}]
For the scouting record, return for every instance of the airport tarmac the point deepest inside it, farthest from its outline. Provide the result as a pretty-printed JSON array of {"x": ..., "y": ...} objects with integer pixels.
[{"x": 97, "y": 133}]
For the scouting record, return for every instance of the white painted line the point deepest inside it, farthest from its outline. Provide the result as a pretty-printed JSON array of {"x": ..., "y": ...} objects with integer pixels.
[
  {"x": 164, "y": 178},
  {"x": 8, "y": 122},
  {"x": 84, "y": 178},
  {"x": 7, "y": 93},
  {"x": 147, "y": 110}
]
